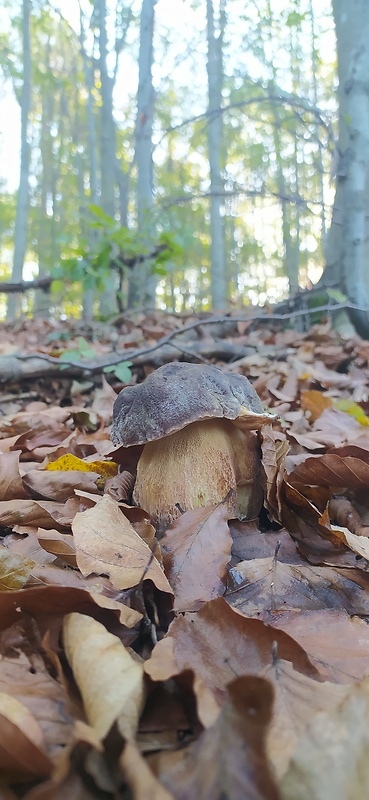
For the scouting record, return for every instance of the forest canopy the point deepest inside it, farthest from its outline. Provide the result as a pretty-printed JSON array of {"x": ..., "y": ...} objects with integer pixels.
[{"x": 184, "y": 159}]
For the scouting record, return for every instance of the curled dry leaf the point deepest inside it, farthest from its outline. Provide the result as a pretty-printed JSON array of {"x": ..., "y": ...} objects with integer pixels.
[
  {"x": 333, "y": 471},
  {"x": 196, "y": 550},
  {"x": 107, "y": 544},
  {"x": 11, "y": 486},
  {"x": 59, "y": 545},
  {"x": 331, "y": 758},
  {"x": 110, "y": 681},
  {"x": 43, "y": 513},
  {"x": 229, "y": 759},
  {"x": 61, "y": 599},
  {"x": 22, "y": 756},
  {"x": 59, "y": 485}
]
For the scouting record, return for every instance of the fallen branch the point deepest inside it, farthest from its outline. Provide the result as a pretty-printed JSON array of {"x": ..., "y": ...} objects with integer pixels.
[
  {"x": 135, "y": 354},
  {"x": 23, "y": 286}
]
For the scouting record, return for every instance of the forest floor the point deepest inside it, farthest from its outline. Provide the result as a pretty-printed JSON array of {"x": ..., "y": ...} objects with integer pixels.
[{"x": 227, "y": 659}]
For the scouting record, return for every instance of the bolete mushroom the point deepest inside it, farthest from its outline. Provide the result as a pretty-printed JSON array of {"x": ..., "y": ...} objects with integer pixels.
[{"x": 198, "y": 427}]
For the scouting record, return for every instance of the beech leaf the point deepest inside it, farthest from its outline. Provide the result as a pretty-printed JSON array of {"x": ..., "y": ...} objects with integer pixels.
[{"x": 196, "y": 550}]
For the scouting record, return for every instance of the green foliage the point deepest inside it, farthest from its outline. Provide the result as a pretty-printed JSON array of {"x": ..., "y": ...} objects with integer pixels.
[
  {"x": 117, "y": 249},
  {"x": 83, "y": 352},
  {"x": 121, "y": 371}
]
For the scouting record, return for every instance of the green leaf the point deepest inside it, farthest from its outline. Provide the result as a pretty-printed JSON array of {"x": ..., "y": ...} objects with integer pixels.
[{"x": 121, "y": 371}]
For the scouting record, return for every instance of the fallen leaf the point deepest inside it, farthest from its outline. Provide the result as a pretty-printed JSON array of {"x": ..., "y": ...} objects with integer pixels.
[
  {"x": 216, "y": 644},
  {"x": 229, "y": 760},
  {"x": 107, "y": 544},
  {"x": 297, "y": 698},
  {"x": 265, "y": 586},
  {"x": 336, "y": 644},
  {"x": 14, "y": 570},
  {"x": 110, "y": 681},
  {"x": 21, "y": 743},
  {"x": 139, "y": 777},
  {"x": 11, "y": 486},
  {"x": 315, "y": 402},
  {"x": 196, "y": 550},
  {"x": 331, "y": 759}
]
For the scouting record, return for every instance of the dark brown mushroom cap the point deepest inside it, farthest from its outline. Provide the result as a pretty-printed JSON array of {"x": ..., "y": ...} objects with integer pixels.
[{"x": 177, "y": 394}]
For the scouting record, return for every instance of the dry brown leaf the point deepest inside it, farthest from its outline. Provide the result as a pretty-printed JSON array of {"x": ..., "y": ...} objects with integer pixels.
[
  {"x": 59, "y": 599},
  {"x": 297, "y": 698},
  {"x": 107, "y": 544},
  {"x": 60, "y": 545},
  {"x": 110, "y": 681},
  {"x": 26, "y": 679},
  {"x": 266, "y": 586},
  {"x": 59, "y": 484},
  {"x": 332, "y": 471},
  {"x": 336, "y": 644},
  {"x": 22, "y": 756},
  {"x": 229, "y": 759},
  {"x": 217, "y": 643},
  {"x": 139, "y": 777},
  {"x": 11, "y": 486},
  {"x": 196, "y": 550},
  {"x": 250, "y": 543},
  {"x": 330, "y": 761},
  {"x": 43, "y": 513}
]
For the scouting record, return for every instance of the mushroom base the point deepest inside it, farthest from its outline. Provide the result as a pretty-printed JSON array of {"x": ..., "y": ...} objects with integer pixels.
[{"x": 199, "y": 466}]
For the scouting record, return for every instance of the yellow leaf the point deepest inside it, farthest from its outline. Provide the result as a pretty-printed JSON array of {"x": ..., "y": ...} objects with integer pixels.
[
  {"x": 14, "y": 570},
  {"x": 315, "y": 402},
  {"x": 353, "y": 409},
  {"x": 105, "y": 468}
]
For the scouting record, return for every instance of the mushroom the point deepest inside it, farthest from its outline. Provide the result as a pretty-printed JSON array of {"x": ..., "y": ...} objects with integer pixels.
[{"x": 199, "y": 429}]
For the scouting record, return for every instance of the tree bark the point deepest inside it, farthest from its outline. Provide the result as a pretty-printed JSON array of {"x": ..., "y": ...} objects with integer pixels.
[
  {"x": 215, "y": 153},
  {"x": 108, "y": 304},
  {"x": 347, "y": 245},
  {"x": 20, "y": 233},
  {"x": 142, "y": 285}
]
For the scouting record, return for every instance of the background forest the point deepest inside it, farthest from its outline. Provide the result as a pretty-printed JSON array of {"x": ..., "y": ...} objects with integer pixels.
[{"x": 179, "y": 154}]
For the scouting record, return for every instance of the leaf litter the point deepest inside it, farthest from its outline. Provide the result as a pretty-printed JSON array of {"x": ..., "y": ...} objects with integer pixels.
[{"x": 225, "y": 658}]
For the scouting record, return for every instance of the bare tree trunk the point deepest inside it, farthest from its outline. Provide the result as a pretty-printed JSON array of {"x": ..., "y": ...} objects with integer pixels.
[
  {"x": 88, "y": 296},
  {"x": 215, "y": 152},
  {"x": 348, "y": 248},
  {"x": 108, "y": 304},
  {"x": 142, "y": 285},
  {"x": 20, "y": 233}
]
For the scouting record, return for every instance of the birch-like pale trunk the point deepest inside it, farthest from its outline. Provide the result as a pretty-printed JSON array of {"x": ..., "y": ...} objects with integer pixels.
[
  {"x": 215, "y": 154},
  {"x": 348, "y": 245},
  {"x": 88, "y": 296},
  {"x": 142, "y": 285},
  {"x": 20, "y": 232},
  {"x": 108, "y": 156}
]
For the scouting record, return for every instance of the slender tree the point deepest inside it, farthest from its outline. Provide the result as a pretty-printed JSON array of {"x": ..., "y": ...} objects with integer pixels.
[
  {"x": 142, "y": 285},
  {"x": 348, "y": 242},
  {"x": 20, "y": 233},
  {"x": 215, "y": 35}
]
